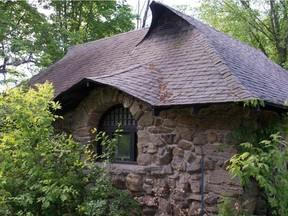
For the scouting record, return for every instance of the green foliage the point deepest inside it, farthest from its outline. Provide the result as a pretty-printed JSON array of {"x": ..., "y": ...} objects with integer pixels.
[
  {"x": 266, "y": 163},
  {"x": 259, "y": 23},
  {"x": 254, "y": 103},
  {"x": 109, "y": 144},
  {"x": 255, "y": 126},
  {"x": 105, "y": 200},
  {"x": 20, "y": 26},
  {"x": 231, "y": 207},
  {"x": 76, "y": 22},
  {"x": 28, "y": 37},
  {"x": 42, "y": 173}
]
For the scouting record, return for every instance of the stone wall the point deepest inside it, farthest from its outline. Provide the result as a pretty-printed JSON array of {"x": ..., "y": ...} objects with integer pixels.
[{"x": 172, "y": 149}]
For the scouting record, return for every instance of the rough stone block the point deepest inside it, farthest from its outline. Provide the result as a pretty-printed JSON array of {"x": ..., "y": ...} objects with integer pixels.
[
  {"x": 209, "y": 164},
  {"x": 157, "y": 121},
  {"x": 142, "y": 147},
  {"x": 165, "y": 206},
  {"x": 161, "y": 191},
  {"x": 127, "y": 101},
  {"x": 189, "y": 156},
  {"x": 171, "y": 183},
  {"x": 152, "y": 149},
  {"x": 195, "y": 209},
  {"x": 178, "y": 194},
  {"x": 176, "y": 138},
  {"x": 184, "y": 120},
  {"x": 198, "y": 150},
  {"x": 185, "y": 145},
  {"x": 150, "y": 200},
  {"x": 149, "y": 180},
  {"x": 168, "y": 123},
  {"x": 120, "y": 97},
  {"x": 149, "y": 211},
  {"x": 183, "y": 183},
  {"x": 178, "y": 164},
  {"x": 178, "y": 152},
  {"x": 159, "y": 130},
  {"x": 212, "y": 137},
  {"x": 182, "y": 129},
  {"x": 225, "y": 190},
  {"x": 215, "y": 148},
  {"x": 162, "y": 159},
  {"x": 195, "y": 186},
  {"x": 147, "y": 188},
  {"x": 143, "y": 136},
  {"x": 171, "y": 113},
  {"x": 146, "y": 119},
  {"x": 162, "y": 182},
  {"x": 156, "y": 140},
  {"x": 220, "y": 176},
  {"x": 144, "y": 159},
  {"x": 194, "y": 167},
  {"x": 211, "y": 198},
  {"x": 199, "y": 139},
  {"x": 168, "y": 138},
  {"x": 82, "y": 132},
  {"x": 135, "y": 107},
  {"x": 195, "y": 197},
  {"x": 163, "y": 114},
  {"x": 211, "y": 210},
  {"x": 134, "y": 182},
  {"x": 167, "y": 169},
  {"x": 187, "y": 136}
]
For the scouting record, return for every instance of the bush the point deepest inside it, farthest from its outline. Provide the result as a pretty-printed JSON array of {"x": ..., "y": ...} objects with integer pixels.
[
  {"x": 266, "y": 162},
  {"x": 42, "y": 173}
]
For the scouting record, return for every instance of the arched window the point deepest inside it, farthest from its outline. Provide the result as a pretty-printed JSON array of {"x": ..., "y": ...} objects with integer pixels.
[{"x": 118, "y": 117}]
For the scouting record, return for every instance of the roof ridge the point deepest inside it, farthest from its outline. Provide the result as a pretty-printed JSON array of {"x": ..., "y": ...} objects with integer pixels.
[
  {"x": 105, "y": 38},
  {"x": 223, "y": 68},
  {"x": 217, "y": 56},
  {"x": 119, "y": 71}
]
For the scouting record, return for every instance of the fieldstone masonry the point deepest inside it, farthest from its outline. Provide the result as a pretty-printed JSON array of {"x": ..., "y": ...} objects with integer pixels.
[{"x": 171, "y": 147}]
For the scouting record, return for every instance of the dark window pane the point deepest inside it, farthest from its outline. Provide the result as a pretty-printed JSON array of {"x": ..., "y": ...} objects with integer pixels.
[
  {"x": 123, "y": 147},
  {"x": 126, "y": 149},
  {"x": 119, "y": 115}
]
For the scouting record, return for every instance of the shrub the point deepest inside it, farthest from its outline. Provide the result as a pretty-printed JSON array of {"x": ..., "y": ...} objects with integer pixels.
[
  {"x": 266, "y": 162},
  {"x": 42, "y": 173}
]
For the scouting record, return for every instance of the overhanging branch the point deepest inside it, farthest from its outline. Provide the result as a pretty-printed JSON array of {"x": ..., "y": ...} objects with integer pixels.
[{"x": 30, "y": 59}]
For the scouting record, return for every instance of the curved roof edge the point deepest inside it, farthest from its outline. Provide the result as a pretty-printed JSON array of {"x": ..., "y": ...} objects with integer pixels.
[{"x": 144, "y": 80}]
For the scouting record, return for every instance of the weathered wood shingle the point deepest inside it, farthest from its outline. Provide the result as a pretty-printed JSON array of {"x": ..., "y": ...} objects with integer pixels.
[{"x": 177, "y": 61}]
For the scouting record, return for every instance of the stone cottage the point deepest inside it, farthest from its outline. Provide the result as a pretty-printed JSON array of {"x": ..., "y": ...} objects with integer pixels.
[{"x": 176, "y": 88}]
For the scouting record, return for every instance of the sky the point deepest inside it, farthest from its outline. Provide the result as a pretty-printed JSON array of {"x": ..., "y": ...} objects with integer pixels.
[
  {"x": 172, "y": 3},
  {"x": 143, "y": 3},
  {"x": 193, "y": 3}
]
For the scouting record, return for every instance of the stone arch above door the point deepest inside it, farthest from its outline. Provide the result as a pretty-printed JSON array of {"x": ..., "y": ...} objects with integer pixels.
[{"x": 88, "y": 113}]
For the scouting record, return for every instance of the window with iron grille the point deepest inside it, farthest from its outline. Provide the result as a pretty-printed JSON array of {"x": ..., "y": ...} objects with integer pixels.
[{"x": 118, "y": 117}]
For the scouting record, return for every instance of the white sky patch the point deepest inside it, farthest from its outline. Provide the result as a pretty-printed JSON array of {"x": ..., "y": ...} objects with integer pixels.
[{"x": 139, "y": 7}]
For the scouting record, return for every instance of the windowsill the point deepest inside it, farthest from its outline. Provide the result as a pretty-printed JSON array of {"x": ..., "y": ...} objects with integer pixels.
[
  {"x": 134, "y": 167},
  {"x": 125, "y": 162},
  {"x": 126, "y": 167}
]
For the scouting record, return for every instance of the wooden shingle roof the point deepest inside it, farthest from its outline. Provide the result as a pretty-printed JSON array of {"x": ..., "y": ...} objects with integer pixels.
[{"x": 177, "y": 61}]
